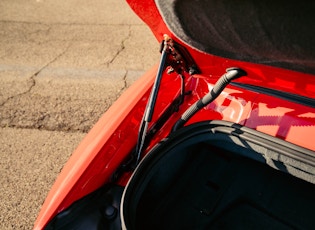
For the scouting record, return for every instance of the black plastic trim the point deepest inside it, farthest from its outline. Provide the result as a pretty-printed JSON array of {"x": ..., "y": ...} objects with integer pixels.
[
  {"x": 98, "y": 210},
  {"x": 310, "y": 102},
  {"x": 230, "y": 137}
]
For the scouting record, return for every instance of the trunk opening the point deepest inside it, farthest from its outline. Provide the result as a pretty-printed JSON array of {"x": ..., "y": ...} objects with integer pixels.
[{"x": 223, "y": 176}]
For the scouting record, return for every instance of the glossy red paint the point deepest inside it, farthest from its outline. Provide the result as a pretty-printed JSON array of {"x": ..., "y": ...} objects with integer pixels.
[
  {"x": 115, "y": 134},
  {"x": 210, "y": 65},
  {"x": 281, "y": 118},
  {"x": 83, "y": 172}
]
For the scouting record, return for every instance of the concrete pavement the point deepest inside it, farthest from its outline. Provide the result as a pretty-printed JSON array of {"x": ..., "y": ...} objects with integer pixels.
[{"x": 62, "y": 64}]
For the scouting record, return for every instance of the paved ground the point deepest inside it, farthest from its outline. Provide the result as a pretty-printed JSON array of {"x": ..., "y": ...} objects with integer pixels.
[{"x": 62, "y": 64}]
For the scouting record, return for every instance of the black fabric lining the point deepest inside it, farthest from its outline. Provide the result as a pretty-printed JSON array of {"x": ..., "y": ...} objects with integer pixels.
[
  {"x": 220, "y": 175},
  {"x": 270, "y": 32},
  {"x": 218, "y": 190}
]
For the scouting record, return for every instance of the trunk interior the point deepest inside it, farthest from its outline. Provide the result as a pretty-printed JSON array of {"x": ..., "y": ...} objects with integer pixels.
[
  {"x": 209, "y": 175},
  {"x": 214, "y": 176}
]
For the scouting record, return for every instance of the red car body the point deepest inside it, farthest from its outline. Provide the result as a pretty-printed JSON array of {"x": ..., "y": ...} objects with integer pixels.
[{"x": 114, "y": 136}]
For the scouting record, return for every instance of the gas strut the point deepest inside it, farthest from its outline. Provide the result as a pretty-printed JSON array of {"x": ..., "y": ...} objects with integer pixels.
[
  {"x": 231, "y": 74},
  {"x": 147, "y": 117}
]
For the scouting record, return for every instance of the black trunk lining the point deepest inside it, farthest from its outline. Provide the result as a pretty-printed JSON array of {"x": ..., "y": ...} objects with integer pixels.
[
  {"x": 218, "y": 189},
  {"x": 270, "y": 32}
]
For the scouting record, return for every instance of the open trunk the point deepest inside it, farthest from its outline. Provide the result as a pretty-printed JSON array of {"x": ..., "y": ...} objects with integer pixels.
[
  {"x": 209, "y": 175},
  {"x": 251, "y": 167},
  {"x": 218, "y": 175}
]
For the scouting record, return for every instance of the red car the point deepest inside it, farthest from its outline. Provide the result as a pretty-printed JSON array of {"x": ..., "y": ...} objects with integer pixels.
[{"x": 219, "y": 135}]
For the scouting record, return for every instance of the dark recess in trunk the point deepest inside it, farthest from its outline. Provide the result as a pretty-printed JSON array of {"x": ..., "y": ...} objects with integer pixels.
[{"x": 222, "y": 177}]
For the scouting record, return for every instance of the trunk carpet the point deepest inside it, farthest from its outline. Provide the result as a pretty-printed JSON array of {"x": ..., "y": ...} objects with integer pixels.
[{"x": 215, "y": 189}]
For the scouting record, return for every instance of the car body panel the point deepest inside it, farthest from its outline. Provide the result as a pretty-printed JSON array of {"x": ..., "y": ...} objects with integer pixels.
[{"x": 257, "y": 101}]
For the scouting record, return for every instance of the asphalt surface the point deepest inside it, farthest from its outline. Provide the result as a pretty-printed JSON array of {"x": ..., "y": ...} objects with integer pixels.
[{"x": 62, "y": 64}]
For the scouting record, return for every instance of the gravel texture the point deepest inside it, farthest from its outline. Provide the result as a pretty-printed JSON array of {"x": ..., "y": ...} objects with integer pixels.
[{"x": 62, "y": 64}]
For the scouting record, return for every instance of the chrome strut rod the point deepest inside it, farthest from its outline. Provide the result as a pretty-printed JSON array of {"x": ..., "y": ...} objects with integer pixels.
[{"x": 147, "y": 116}]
